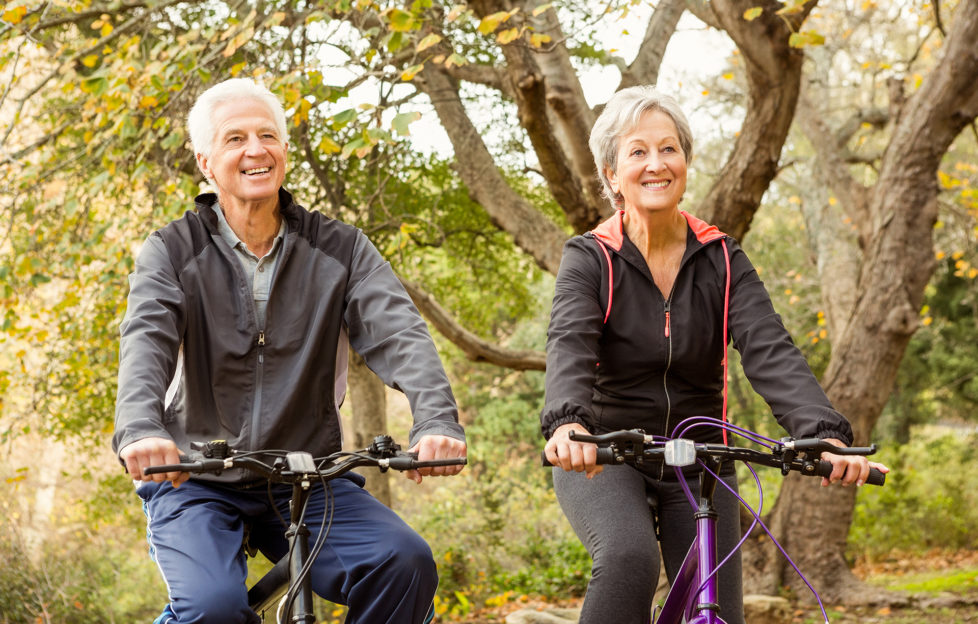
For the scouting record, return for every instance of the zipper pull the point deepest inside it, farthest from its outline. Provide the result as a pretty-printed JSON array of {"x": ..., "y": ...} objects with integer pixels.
[
  {"x": 667, "y": 319},
  {"x": 261, "y": 339}
]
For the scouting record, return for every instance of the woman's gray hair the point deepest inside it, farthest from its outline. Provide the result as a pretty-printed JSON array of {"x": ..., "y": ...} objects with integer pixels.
[
  {"x": 200, "y": 121},
  {"x": 621, "y": 115}
]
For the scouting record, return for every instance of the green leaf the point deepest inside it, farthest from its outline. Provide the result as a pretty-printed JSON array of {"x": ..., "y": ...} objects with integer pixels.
[
  {"x": 805, "y": 38},
  {"x": 401, "y": 122}
]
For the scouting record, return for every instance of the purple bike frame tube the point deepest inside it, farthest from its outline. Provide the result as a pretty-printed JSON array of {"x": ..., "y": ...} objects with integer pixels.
[
  {"x": 706, "y": 538},
  {"x": 700, "y": 561},
  {"x": 675, "y": 604}
]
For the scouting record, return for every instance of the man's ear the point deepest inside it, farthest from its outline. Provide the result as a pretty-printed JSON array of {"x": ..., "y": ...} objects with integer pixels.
[{"x": 203, "y": 165}]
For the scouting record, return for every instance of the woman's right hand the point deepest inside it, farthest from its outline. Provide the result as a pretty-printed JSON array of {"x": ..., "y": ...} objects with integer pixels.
[{"x": 565, "y": 453}]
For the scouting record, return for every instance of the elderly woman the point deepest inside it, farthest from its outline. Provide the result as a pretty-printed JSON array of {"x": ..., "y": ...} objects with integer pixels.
[{"x": 637, "y": 339}]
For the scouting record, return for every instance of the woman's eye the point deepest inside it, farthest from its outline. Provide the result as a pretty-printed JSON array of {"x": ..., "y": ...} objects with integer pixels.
[{"x": 637, "y": 152}]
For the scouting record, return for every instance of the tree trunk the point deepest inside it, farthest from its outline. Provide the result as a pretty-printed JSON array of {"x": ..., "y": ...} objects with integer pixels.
[
  {"x": 897, "y": 265},
  {"x": 369, "y": 402}
]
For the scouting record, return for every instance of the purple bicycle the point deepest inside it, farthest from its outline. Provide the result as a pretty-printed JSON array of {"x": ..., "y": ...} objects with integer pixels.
[{"x": 693, "y": 597}]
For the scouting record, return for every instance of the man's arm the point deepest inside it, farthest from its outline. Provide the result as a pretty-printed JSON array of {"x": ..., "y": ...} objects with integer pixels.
[
  {"x": 148, "y": 352},
  {"x": 387, "y": 330}
]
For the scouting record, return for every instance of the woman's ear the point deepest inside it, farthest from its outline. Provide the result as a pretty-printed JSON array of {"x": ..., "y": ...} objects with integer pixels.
[{"x": 612, "y": 179}]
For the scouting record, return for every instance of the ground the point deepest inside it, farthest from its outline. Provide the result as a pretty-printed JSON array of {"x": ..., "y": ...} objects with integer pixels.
[{"x": 939, "y": 587}]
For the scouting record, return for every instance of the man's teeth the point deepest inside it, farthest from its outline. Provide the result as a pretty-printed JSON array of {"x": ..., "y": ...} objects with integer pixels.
[{"x": 258, "y": 170}]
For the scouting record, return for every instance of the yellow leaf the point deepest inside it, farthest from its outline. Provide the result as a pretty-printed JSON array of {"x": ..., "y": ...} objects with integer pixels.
[
  {"x": 540, "y": 9},
  {"x": 428, "y": 41},
  {"x": 409, "y": 73},
  {"x": 833, "y": 201},
  {"x": 90, "y": 60},
  {"x": 728, "y": 76},
  {"x": 753, "y": 13},
  {"x": 14, "y": 15},
  {"x": 236, "y": 69},
  {"x": 329, "y": 146},
  {"x": 106, "y": 29},
  {"x": 148, "y": 101},
  {"x": 508, "y": 36},
  {"x": 490, "y": 23},
  {"x": 538, "y": 39}
]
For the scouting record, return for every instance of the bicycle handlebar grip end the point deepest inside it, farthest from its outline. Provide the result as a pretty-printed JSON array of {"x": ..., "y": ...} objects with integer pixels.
[
  {"x": 875, "y": 476},
  {"x": 606, "y": 455}
]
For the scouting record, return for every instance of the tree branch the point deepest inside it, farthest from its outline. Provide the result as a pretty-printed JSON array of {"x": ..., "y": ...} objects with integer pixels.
[
  {"x": 645, "y": 68},
  {"x": 773, "y": 71},
  {"x": 532, "y": 231},
  {"x": 474, "y": 347}
]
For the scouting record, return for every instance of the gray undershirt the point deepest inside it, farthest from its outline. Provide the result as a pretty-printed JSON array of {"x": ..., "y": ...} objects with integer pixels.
[{"x": 259, "y": 271}]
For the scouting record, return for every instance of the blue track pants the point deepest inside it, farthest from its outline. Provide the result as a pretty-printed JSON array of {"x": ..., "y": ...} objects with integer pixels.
[{"x": 372, "y": 561}]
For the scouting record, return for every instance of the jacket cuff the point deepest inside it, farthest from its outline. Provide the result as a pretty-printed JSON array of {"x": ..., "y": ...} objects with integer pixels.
[{"x": 552, "y": 419}]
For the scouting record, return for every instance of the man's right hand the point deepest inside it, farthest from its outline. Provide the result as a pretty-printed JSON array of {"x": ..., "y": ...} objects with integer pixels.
[
  {"x": 570, "y": 455},
  {"x": 153, "y": 452}
]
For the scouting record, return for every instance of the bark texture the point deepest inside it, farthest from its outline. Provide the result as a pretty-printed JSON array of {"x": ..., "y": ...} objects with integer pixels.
[{"x": 369, "y": 401}]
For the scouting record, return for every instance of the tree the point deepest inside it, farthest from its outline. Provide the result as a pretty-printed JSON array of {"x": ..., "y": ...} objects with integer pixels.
[{"x": 96, "y": 122}]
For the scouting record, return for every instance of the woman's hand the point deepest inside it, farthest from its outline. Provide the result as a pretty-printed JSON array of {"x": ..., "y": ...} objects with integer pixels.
[
  {"x": 848, "y": 469},
  {"x": 570, "y": 455}
]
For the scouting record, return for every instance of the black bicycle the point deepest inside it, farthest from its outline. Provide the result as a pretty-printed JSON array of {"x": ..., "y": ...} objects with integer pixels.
[{"x": 286, "y": 588}]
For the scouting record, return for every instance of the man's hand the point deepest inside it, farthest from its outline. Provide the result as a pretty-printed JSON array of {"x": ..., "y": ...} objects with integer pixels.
[
  {"x": 570, "y": 455},
  {"x": 153, "y": 452},
  {"x": 431, "y": 447},
  {"x": 848, "y": 469}
]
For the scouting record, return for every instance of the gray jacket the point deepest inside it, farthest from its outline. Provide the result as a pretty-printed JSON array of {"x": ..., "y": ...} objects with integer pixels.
[{"x": 191, "y": 321}]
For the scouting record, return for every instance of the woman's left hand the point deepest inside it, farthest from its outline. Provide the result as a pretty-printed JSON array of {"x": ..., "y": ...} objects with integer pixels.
[{"x": 848, "y": 469}]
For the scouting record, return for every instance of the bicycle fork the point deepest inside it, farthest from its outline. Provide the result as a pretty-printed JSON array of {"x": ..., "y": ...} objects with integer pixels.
[{"x": 693, "y": 598}]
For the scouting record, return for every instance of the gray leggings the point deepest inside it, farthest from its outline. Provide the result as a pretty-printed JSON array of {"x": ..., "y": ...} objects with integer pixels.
[{"x": 610, "y": 515}]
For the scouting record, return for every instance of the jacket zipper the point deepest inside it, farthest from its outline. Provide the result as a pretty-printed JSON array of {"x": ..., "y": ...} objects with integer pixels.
[
  {"x": 665, "y": 373},
  {"x": 256, "y": 405}
]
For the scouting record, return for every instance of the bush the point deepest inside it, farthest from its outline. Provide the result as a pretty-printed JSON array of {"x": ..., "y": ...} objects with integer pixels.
[{"x": 930, "y": 499}]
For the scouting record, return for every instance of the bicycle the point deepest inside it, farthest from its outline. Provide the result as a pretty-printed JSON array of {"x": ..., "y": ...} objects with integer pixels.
[
  {"x": 693, "y": 596},
  {"x": 286, "y": 587}
]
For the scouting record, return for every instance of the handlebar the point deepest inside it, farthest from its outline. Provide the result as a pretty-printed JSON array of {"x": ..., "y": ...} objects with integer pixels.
[
  {"x": 636, "y": 448},
  {"x": 290, "y": 467}
]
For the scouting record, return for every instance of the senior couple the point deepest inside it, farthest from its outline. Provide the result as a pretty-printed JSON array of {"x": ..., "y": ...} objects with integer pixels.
[{"x": 241, "y": 313}]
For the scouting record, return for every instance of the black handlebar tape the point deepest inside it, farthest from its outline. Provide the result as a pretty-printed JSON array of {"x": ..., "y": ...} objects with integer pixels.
[
  {"x": 824, "y": 469},
  {"x": 410, "y": 463},
  {"x": 605, "y": 456}
]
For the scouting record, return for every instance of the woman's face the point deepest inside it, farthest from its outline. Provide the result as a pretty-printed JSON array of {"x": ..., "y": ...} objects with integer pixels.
[{"x": 651, "y": 173}]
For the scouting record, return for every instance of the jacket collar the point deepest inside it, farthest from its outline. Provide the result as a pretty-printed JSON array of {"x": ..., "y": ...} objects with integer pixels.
[
  {"x": 204, "y": 201},
  {"x": 611, "y": 232}
]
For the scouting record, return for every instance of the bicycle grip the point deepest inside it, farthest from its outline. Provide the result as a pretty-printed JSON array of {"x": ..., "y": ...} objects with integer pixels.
[
  {"x": 605, "y": 456},
  {"x": 824, "y": 469},
  {"x": 410, "y": 463}
]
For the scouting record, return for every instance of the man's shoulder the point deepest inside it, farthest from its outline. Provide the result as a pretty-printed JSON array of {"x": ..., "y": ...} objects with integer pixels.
[{"x": 321, "y": 231}]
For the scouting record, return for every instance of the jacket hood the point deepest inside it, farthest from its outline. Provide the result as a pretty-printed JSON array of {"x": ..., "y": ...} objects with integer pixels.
[{"x": 611, "y": 231}]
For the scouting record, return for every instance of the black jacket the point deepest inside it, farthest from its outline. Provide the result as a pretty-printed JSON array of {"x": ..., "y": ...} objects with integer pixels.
[
  {"x": 191, "y": 317},
  {"x": 657, "y": 361}
]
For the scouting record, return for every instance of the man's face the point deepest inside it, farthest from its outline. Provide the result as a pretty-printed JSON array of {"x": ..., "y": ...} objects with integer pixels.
[{"x": 248, "y": 157}]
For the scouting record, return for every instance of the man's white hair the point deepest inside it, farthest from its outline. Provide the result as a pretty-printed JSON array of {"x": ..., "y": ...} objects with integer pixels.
[{"x": 200, "y": 121}]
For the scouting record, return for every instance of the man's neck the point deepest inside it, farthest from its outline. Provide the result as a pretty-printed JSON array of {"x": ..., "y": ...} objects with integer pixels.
[{"x": 255, "y": 223}]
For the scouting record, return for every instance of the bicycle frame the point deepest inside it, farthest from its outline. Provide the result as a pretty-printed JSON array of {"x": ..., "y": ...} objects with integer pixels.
[
  {"x": 693, "y": 594},
  {"x": 264, "y": 595}
]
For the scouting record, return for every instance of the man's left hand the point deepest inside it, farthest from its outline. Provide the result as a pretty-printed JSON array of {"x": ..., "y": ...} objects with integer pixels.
[{"x": 432, "y": 447}]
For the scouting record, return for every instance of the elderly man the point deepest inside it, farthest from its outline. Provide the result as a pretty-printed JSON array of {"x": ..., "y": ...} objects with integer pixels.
[{"x": 239, "y": 319}]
